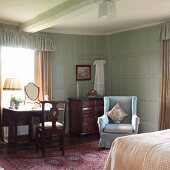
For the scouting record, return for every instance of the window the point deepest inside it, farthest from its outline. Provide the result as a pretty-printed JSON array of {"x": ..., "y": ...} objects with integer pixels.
[{"x": 17, "y": 63}]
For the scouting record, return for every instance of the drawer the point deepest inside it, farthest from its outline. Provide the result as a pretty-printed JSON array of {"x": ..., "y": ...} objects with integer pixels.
[
  {"x": 91, "y": 129},
  {"x": 88, "y": 104},
  {"x": 88, "y": 111},
  {"x": 99, "y": 103},
  {"x": 89, "y": 121},
  {"x": 100, "y": 109},
  {"x": 21, "y": 119}
]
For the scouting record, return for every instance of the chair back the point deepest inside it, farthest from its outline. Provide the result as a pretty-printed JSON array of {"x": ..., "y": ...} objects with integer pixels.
[
  {"x": 57, "y": 113},
  {"x": 127, "y": 103}
]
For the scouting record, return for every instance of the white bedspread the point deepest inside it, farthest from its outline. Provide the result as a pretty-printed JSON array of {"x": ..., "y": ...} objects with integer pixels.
[{"x": 147, "y": 151}]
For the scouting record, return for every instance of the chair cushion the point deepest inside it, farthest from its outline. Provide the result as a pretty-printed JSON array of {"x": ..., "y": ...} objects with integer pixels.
[
  {"x": 117, "y": 113},
  {"x": 118, "y": 128},
  {"x": 48, "y": 125}
]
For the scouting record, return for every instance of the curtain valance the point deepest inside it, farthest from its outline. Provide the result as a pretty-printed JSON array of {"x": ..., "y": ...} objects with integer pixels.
[
  {"x": 165, "y": 31},
  {"x": 12, "y": 36}
]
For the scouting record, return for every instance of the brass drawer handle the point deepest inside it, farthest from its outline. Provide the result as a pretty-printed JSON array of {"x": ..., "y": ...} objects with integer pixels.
[{"x": 87, "y": 108}]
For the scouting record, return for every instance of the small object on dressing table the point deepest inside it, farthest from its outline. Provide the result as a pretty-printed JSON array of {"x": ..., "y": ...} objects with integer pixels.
[{"x": 92, "y": 94}]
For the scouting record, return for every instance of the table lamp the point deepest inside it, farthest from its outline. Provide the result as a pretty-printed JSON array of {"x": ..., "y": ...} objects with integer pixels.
[{"x": 12, "y": 84}]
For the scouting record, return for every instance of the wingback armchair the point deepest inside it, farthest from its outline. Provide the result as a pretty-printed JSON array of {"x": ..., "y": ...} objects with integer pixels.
[{"x": 109, "y": 130}]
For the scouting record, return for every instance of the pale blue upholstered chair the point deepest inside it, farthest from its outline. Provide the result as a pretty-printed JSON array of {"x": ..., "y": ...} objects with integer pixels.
[{"x": 108, "y": 130}]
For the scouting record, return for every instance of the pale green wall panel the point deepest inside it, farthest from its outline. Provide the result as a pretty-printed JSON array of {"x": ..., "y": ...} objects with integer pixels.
[
  {"x": 115, "y": 88},
  {"x": 135, "y": 70},
  {"x": 130, "y": 87},
  {"x": 90, "y": 46},
  {"x": 75, "y": 50},
  {"x": 116, "y": 67},
  {"x": 81, "y": 45}
]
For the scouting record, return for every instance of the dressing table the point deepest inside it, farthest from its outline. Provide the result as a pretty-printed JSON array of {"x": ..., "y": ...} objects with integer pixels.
[
  {"x": 17, "y": 117},
  {"x": 22, "y": 116}
]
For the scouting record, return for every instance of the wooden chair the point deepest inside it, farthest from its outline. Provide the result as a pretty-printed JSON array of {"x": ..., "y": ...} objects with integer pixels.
[{"x": 52, "y": 128}]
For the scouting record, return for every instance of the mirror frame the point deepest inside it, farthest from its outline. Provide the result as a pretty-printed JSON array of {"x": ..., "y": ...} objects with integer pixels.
[{"x": 26, "y": 91}]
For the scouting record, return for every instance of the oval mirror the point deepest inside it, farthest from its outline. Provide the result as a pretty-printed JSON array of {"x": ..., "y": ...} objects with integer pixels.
[{"x": 32, "y": 91}]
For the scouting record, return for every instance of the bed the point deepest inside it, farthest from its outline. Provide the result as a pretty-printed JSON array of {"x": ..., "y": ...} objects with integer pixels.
[{"x": 146, "y": 151}]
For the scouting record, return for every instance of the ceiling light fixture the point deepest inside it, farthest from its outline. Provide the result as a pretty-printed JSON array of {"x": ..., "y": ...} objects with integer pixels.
[{"x": 107, "y": 9}]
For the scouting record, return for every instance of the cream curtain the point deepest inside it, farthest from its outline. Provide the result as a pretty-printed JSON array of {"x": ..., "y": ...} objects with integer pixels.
[
  {"x": 164, "y": 122},
  {"x": 0, "y": 101},
  {"x": 165, "y": 31},
  {"x": 164, "y": 118},
  {"x": 13, "y": 37},
  {"x": 43, "y": 73}
]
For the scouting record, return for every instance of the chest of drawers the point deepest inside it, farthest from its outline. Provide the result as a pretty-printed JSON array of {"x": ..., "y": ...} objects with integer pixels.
[{"x": 83, "y": 115}]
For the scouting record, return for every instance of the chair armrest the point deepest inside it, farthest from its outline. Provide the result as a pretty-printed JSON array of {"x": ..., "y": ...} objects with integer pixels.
[
  {"x": 102, "y": 122},
  {"x": 135, "y": 123}
]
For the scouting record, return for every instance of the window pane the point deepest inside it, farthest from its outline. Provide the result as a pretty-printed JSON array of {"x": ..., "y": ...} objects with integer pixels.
[{"x": 17, "y": 63}]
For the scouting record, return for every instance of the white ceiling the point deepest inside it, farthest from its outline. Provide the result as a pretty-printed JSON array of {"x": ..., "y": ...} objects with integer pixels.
[{"x": 80, "y": 16}]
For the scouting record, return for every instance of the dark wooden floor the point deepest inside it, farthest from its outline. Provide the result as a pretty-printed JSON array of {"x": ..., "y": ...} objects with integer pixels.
[{"x": 25, "y": 146}]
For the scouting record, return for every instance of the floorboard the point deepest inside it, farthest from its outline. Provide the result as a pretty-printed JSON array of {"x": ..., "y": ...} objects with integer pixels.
[{"x": 25, "y": 146}]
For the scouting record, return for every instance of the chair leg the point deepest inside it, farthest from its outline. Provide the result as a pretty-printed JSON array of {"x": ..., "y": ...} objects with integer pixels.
[
  {"x": 30, "y": 128},
  {"x": 62, "y": 144},
  {"x": 36, "y": 145},
  {"x": 43, "y": 145},
  {"x": 43, "y": 153},
  {"x": 63, "y": 150}
]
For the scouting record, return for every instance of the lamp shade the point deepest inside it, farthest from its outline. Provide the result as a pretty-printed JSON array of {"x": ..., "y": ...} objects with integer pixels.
[{"x": 12, "y": 84}]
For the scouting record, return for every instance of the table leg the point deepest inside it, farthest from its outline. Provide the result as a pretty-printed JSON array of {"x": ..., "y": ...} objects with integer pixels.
[
  {"x": 15, "y": 130},
  {"x": 30, "y": 128},
  {"x": 10, "y": 131}
]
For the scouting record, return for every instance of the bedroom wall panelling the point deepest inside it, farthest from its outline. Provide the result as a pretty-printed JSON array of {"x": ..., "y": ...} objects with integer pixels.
[
  {"x": 73, "y": 50},
  {"x": 134, "y": 69}
]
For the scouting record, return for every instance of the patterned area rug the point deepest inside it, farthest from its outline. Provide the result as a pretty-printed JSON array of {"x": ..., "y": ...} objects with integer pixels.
[{"x": 78, "y": 157}]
